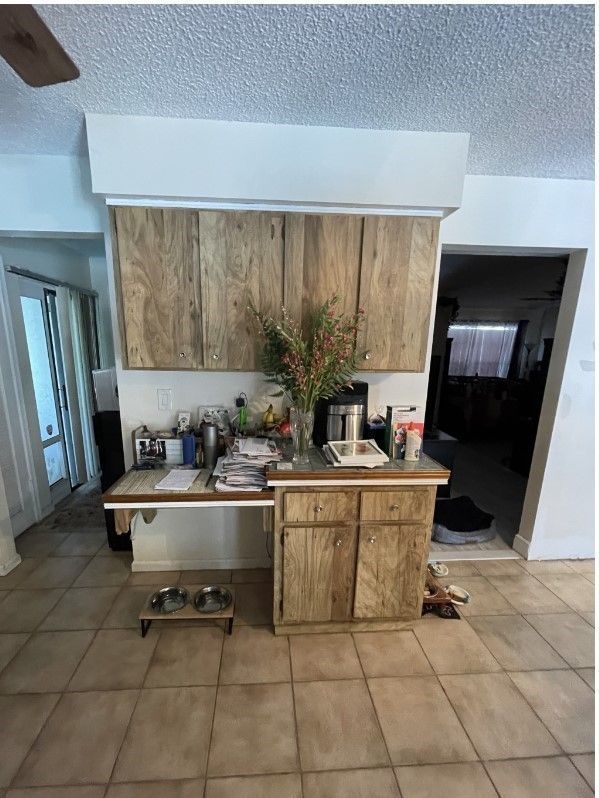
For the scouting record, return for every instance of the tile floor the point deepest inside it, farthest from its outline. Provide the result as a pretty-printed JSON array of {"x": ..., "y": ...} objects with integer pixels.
[{"x": 497, "y": 704}]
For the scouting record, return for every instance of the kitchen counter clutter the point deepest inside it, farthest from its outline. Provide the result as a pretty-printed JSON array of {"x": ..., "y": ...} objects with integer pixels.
[{"x": 350, "y": 545}]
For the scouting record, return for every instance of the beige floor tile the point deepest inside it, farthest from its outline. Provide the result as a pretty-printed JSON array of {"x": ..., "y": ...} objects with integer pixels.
[
  {"x": 80, "y": 742},
  {"x": 116, "y": 660},
  {"x": 18, "y": 574},
  {"x": 552, "y": 778},
  {"x": 154, "y": 579},
  {"x": 585, "y": 764},
  {"x": 286, "y": 785},
  {"x": 486, "y": 599},
  {"x": 574, "y": 589},
  {"x": 254, "y": 654},
  {"x": 564, "y": 703},
  {"x": 253, "y": 603},
  {"x": 168, "y": 736},
  {"x": 515, "y": 644},
  {"x": 458, "y": 780},
  {"x": 587, "y": 675},
  {"x": 418, "y": 721},
  {"x": 570, "y": 636},
  {"x": 246, "y": 714},
  {"x": 249, "y": 575},
  {"x": 527, "y": 594},
  {"x": 461, "y": 568},
  {"x": 81, "y": 608},
  {"x": 391, "y": 654},
  {"x": 124, "y": 613},
  {"x": 39, "y": 544},
  {"x": 55, "y": 572},
  {"x": 89, "y": 791},
  {"x": 589, "y": 617},
  {"x": 188, "y": 788},
  {"x": 214, "y": 577},
  {"x": 582, "y": 566},
  {"x": 9, "y": 645},
  {"x": 453, "y": 647},
  {"x": 372, "y": 783},
  {"x": 500, "y": 567},
  {"x": 80, "y": 543},
  {"x": 104, "y": 572},
  {"x": 3, "y": 594},
  {"x": 324, "y": 656},
  {"x": 498, "y": 720},
  {"x": 185, "y": 657},
  {"x": 22, "y": 719},
  {"x": 337, "y": 726},
  {"x": 546, "y": 567},
  {"x": 23, "y": 610},
  {"x": 45, "y": 663}
]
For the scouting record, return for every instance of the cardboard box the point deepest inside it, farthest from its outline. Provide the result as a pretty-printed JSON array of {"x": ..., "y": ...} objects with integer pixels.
[{"x": 399, "y": 418}]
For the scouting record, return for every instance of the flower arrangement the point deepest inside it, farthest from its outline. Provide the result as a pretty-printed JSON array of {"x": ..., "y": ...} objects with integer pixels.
[{"x": 314, "y": 363}]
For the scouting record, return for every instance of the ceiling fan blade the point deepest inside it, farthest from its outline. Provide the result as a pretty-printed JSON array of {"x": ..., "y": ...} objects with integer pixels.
[{"x": 30, "y": 48}]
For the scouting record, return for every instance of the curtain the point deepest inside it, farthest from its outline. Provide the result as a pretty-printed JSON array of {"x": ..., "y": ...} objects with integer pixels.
[
  {"x": 82, "y": 318},
  {"x": 481, "y": 347}
]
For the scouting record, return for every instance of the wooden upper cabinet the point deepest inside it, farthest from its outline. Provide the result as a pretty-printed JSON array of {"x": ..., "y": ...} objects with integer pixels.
[
  {"x": 158, "y": 260},
  {"x": 242, "y": 258},
  {"x": 399, "y": 255}
]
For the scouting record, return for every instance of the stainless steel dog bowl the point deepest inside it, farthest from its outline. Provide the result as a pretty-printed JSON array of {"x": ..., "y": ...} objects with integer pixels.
[
  {"x": 169, "y": 599},
  {"x": 212, "y": 599}
]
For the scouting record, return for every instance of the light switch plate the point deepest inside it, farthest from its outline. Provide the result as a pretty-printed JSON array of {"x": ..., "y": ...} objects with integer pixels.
[{"x": 165, "y": 398}]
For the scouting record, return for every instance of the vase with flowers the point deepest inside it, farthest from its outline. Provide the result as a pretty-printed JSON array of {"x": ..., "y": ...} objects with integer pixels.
[{"x": 309, "y": 363}]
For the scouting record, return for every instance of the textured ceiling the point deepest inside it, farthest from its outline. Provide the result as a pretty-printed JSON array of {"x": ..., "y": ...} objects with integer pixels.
[{"x": 518, "y": 78}]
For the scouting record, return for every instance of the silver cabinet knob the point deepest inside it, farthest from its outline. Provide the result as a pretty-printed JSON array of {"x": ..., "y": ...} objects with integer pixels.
[
  {"x": 181, "y": 354},
  {"x": 215, "y": 356},
  {"x": 367, "y": 355},
  {"x": 372, "y": 540},
  {"x": 319, "y": 508},
  {"x": 395, "y": 506},
  {"x": 338, "y": 543}
]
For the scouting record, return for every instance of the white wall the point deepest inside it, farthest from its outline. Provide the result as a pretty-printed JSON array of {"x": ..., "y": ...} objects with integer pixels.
[
  {"x": 99, "y": 282},
  {"x": 47, "y": 258}
]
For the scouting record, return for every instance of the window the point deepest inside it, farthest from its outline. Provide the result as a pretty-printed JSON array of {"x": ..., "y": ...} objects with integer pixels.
[{"x": 481, "y": 347}]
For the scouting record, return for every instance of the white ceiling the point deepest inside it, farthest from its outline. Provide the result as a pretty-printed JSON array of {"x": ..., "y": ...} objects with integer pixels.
[{"x": 518, "y": 78}]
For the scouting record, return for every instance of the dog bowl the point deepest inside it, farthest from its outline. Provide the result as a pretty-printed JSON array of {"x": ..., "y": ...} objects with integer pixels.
[
  {"x": 169, "y": 599},
  {"x": 438, "y": 568},
  {"x": 212, "y": 598},
  {"x": 458, "y": 595}
]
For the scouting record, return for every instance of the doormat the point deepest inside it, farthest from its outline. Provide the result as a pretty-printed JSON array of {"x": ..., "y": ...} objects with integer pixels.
[{"x": 442, "y": 610}]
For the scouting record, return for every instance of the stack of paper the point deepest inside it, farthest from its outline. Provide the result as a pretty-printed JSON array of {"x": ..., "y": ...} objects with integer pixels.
[
  {"x": 176, "y": 479},
  {"x": 244, "y": 467}
]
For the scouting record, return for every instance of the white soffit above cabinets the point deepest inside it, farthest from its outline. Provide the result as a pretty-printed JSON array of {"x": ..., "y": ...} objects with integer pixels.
[{"x": 207, "y": 163}]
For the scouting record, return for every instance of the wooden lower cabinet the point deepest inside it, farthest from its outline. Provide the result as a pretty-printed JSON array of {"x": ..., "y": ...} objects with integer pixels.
[
  {"x": 341, "y": 572},
  {"x": 318, "y": 573}
]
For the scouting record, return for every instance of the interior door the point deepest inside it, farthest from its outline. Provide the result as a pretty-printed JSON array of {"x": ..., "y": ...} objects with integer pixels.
[
  {"x": 41, "y": 352},
  {"x": 391, "y": 570},
  {"x": 318, "y": 573}
]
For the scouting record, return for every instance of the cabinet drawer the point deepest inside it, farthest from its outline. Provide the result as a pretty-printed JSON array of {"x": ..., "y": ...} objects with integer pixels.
[
  {"x": 320, "y": 506},
  {"x": 404, "y": 504}
]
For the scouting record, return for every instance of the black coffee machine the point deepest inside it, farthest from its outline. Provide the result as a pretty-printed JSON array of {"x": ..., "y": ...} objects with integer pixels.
[{"x": 335, "y": 418}]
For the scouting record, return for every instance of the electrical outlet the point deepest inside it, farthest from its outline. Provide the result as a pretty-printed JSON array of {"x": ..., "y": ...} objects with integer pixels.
[{"x": 165, "y": 398}]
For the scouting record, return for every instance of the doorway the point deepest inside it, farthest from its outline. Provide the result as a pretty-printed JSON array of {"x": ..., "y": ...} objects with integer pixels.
[{"x": 494, "y": 327}]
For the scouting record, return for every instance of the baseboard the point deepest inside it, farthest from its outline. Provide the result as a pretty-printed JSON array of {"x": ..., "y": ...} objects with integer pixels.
[
  {"x": 200, "y": 565},
  {"x": 521, "y": 545},
  {"x": 9, "y": 566}
]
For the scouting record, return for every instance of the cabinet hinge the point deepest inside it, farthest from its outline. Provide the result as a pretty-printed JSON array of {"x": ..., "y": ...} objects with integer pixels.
[{"x": 282, "y": 538}]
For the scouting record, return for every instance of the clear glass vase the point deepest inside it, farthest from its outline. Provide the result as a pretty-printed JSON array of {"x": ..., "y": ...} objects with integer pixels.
[{"x": 302, "y": 423}]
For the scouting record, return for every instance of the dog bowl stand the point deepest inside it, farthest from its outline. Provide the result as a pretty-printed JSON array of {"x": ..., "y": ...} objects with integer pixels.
[{"x": 187, "y": 613}]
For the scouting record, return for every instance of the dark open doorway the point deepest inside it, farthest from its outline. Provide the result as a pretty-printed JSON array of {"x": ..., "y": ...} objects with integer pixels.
[{"x": 494, "y": 328}]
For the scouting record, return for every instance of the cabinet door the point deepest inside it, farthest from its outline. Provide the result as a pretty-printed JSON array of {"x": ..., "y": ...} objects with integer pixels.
[
  {"x": 158, "y": 262},
  {"x": 399, "y": 255},
  {"x": 391, "y": 570},
  {"x": 242, "y": 262},
  {"x": 318, "y": 573}
]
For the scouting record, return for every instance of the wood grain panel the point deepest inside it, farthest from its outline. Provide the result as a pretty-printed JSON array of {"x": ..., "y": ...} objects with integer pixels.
[
  {"x": 403, "y": 504},
  {"x": 318, "y": 566},
  {"x": 160, "y": 287},
  {"x": 389, "y": 574},
  {"x": 242, "y": 259},
  {"x": 320, "y": 506},
  {"x": 332, "y": 252},
  {"x": 396, "y": 283},
  {"x": 294, "y": 264}
]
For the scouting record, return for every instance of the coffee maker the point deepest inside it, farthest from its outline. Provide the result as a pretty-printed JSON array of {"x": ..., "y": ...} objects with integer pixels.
[{"x": 343, "y": 416}]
